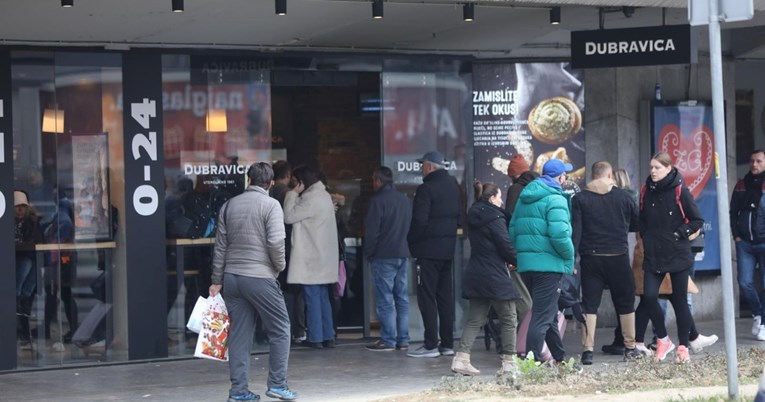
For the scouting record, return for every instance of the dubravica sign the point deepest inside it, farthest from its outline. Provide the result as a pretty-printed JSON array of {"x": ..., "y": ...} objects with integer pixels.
[{"x": 668, "y": 44}]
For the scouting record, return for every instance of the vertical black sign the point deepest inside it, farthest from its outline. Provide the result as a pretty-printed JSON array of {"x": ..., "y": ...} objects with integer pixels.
[
  {"x": 144, "y": 209},
  {"x": 7, "y": 243}
]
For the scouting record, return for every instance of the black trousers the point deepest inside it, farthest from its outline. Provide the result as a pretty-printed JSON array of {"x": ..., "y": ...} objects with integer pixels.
[
  {"x": 612, "y": 271},
  {"x": 543, "y": 326},
  {"x": 649, "y": 306},
  {"x": 435, "y": 297}
]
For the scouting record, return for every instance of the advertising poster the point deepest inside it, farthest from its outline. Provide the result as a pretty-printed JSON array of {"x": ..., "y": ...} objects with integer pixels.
[
  {"x": 90, "y": 156},
  {"x": 686, "y": 134},
  {"x": 534, "y": 110},
  {"x": 423, "y": 112}
]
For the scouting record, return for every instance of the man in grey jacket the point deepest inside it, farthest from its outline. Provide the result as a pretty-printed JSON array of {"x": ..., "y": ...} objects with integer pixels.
[{"x": 249, "y": 254}]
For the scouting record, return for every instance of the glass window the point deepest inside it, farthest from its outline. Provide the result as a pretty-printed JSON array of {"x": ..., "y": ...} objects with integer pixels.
[
  {"x": 215, "y": 126},
  {"x": 67, "y": 128}
]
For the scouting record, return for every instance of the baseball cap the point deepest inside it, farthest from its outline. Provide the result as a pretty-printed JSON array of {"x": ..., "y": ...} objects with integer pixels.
[
  {"x": 433, "y": 157},
  {"x": 19, "y": 198},
  {"x": 556, "y": 167}
]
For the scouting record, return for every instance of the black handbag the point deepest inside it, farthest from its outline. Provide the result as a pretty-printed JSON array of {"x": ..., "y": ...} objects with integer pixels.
[{"x": 697, "y": 244}]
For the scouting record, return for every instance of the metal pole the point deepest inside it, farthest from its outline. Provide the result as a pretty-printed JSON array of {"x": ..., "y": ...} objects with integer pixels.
[{"x": 715, "y": 61}]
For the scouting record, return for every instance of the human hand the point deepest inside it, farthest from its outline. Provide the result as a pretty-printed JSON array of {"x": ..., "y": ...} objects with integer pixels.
[
  {"x": 214, "y": 290},
  {"x": 511, "y": 267},
  {"x": 299, "y": 187}
]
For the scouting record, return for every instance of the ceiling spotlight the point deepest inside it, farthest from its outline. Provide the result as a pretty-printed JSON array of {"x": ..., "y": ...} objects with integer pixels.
[
  {"x": 67, "y": 3},
  {"x": 377, "y": 9},
  {"x": 628, "y": 11},
  {"x": 281, "y": 7},
  {"x": 555, "y": 15},
  {"x": 468, "y": 12},
  {"x": 177, "y": 6}
]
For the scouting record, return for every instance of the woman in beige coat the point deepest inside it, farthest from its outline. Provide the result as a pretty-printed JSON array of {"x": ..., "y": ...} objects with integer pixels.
[{"x": 314, "y": 255}]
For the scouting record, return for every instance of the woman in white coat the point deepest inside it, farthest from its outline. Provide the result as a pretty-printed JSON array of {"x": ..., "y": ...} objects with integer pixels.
[{"x": 314, "y": 256}]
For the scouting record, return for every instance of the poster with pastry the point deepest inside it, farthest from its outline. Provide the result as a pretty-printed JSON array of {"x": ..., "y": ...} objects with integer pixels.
[{"x": 533, "y": 110}]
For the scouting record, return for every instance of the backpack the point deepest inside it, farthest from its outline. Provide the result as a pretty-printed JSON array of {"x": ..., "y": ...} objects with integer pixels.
[{"x": 697, "y": 238}]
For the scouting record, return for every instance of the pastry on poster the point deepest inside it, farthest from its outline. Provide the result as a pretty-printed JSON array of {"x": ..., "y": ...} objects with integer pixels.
[
  {"x": 576, "y": 176},
  {"x": 555, "y": 120}
]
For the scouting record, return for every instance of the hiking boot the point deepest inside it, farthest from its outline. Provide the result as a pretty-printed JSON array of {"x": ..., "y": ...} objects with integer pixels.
[
  {"x": 379, "y": 346},
  {"x": 702, "y": 342},
  {"x": 402, "y": 346},
  {"x": 508, "y": 365},
  {"x": 632, "y": 354},
  {"x": 663, "y": 347},
  {"x": 681, "y": 356},
  {"x": 756, "y": 323},
  {"x": 461, "y": 364},
  {"x": 248, "y": 396},
  {"x": 445, "y": 351},
  {"x": 423, "y": 352},
  {"x": 587, "y": 357},
  {"x": 613, "y": 349},
  {"x": 642, "y": 349},
  {"x": 282, "y": 393}
]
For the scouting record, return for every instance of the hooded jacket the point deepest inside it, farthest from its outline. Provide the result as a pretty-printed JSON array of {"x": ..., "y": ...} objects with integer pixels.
[
  {"x": 541, "y": 230},
  {"x": 665, "y": 234},
  {"x": 601, "y": 217},
  {"x": 743, "y": 207},
  {"x": 515, "y": 191},
  {"x": 486, "y": 275},
  {"x": 435, "y": 217}
]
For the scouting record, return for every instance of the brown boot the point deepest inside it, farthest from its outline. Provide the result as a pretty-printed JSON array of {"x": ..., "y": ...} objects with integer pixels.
[
  {"x": 508, "y": 365},
  {"x": 461, "y": 364}
]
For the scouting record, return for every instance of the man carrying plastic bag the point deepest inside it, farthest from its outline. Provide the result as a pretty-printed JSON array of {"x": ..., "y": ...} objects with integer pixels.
[{"x": 249, "y": 254}]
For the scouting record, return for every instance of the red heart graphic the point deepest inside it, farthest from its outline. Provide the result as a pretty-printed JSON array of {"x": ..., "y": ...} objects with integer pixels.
[{"x": 693, "y": 155}]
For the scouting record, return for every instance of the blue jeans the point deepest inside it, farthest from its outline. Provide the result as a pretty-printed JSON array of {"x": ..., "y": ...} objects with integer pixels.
[
  {"x": 26, "y": 276},
  {"x": 318, "y": 313},
  {"x": 750, "y": 255},
  {"x": 392, "y": 298}
]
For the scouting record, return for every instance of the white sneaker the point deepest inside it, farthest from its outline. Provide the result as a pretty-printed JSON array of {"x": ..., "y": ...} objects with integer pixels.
[
  {"x": 702, "y": 342},
  {"x": 761, "y": 333},
  {"x": 757, "y": 322},
  {"x": 640, "y": 347}
]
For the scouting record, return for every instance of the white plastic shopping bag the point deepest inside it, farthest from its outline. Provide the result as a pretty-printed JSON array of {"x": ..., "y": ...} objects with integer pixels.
[
  {"x": 213, "y": 338},
  {"x": 197, "y": 314}
]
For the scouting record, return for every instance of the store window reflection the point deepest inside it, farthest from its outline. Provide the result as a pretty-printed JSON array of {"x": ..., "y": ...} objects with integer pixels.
[
  {"x": 67, "y": 136},
  {"x": 215, "y": 127}
]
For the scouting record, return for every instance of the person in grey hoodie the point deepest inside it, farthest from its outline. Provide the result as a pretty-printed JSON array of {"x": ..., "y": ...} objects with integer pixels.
[{"x": 249, "y": 254}]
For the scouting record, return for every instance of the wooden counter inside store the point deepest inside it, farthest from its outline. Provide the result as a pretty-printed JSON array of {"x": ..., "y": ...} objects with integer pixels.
[
  {"x": 179, "y": 243},
  {"x": 75, "y": 246}
]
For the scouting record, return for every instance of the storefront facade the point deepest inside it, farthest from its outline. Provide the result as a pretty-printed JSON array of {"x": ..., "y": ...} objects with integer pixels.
[{"x": 135, "y": 150}]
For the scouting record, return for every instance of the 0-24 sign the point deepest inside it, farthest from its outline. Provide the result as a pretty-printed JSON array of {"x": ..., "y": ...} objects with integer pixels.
[{"x": 145, "y": 196}]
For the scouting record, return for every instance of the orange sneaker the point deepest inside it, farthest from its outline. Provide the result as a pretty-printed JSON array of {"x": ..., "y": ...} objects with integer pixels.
[
  {"x": 682, "y": 356},
  {"x": 663, "y": 348}
]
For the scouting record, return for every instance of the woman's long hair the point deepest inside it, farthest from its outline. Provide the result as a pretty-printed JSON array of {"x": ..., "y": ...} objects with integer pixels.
[{"x": 484, "y": 191}]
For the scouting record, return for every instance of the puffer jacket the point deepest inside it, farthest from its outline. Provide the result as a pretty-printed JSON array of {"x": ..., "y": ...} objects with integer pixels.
[
  {"x": 666, "y": 247},
  {"x": 250, "y": 237},
  {"x": 486, "y": 275},
  {"x": 314, "y": 255},
  {"x": 541, "y": 230}
]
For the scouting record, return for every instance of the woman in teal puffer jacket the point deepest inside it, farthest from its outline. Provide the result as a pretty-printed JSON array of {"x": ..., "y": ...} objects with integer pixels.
[{"x": 541, "y": 232}]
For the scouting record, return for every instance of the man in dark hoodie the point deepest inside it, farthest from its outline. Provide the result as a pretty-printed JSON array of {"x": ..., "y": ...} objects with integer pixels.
[
  {"x": 432, "y": 238},
  {"x": 749, "y": 247},
  {"x": 519, "y": 172},
  {"x": 601, "y": 216}
]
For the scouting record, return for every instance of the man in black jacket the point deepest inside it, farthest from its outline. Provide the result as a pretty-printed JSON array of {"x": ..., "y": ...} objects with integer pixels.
[
  {"x": 432, "y": 238},
  {"x": 386, "y": 226},
  {"x": 750, "y": 249},
  {"x": 602, "y": 215}
]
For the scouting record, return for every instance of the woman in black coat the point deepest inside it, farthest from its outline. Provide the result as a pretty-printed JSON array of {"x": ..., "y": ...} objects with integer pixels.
[
  {"x": 666, "y": 224},
  {"x": 486, "y": 281}
]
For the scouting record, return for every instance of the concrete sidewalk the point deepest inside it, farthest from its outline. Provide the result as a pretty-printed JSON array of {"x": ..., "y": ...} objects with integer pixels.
[{"x": 346, "y": 373}]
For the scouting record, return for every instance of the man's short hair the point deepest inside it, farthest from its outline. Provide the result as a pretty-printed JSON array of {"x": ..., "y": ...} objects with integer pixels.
[
  {"x": 600, "y": 169},
  {"x": 281, "y": 169},
  {"x": 384, "y": 174},
  {"x": 758, "y": 151},
  {"x": 260, "y": 174}
]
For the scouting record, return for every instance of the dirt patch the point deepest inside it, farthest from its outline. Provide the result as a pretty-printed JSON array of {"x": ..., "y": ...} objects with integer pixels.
[{"x": 705, "y": 375}]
